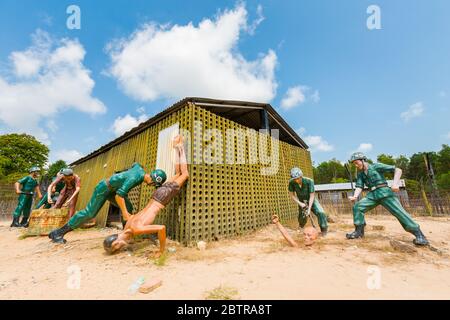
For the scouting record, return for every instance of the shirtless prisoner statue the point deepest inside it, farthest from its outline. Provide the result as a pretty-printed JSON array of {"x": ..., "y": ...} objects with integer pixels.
[{"x": 141, "y": 223}]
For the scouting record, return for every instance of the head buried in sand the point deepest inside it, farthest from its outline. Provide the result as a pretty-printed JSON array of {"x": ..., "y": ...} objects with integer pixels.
[{"x": 310, "y": 235}]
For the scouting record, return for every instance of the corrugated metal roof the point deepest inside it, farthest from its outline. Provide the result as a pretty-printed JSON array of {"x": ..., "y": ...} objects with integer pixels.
[
  {"x": 242, "y": 112},
  {"x": 347, "y": 186}
]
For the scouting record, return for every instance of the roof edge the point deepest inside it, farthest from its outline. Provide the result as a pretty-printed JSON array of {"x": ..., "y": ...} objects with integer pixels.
[{"x": 175, "y": 107}]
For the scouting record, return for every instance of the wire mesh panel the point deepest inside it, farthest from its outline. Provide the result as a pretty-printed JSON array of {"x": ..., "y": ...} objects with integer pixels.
[{"x": 231, "y": 197}]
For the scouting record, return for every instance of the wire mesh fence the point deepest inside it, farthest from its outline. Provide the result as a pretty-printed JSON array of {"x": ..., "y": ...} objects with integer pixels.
[{"x": 428, "y": 205}]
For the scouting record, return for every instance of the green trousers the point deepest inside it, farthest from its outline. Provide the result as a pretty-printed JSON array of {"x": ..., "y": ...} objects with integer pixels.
[
  {"x": 390, "y": 202},
  {"x": 43, "y": 202},
  {"x": 24, "y": 206},
  {"x": 317, "y": 210},
  {"x": 100, "y": 196}
]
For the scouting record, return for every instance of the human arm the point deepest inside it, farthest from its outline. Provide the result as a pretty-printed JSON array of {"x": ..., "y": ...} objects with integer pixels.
[
  {"x": 38, "y": 191},
  {"x": 310, "y": 186},
  {"x": 312, "y": 196},
  {"x": 295, "y": 199},
  {"x": 181, "y": 167},
  {"x": 359, "y": 186},
  {"x": 396, "y": 184},
  {"x": 153, "y": 228},
  {"x": 276, "y": 221},
  {"x": 52, "y": 187},
  {"x": 77, "y": 190},
  {"x": 17, "y": 187},
  {"x": 355, "y": 194},
  {"x": 123, "y": 208}
]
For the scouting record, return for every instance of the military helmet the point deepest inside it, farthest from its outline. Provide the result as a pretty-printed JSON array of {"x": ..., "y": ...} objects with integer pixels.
[
  {"x": 296, "y": 173},
  {"x": 358, "y": 156},
  {"x": 34, "y": 169},
  {"x": 67, "y": 172},
  {"x": 158, "y": 177}
]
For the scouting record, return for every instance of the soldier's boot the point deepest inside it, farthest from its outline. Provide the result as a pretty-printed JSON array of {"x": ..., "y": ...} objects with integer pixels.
[
  {"x": 24, "y": 223},
  {"x": 15, "y": 223},
  {"x": 324, "y": 231},
  {"x": 57, "y": 235},
  {"x": 358, "y": 233},
  {"x": 420, "y": 239}
]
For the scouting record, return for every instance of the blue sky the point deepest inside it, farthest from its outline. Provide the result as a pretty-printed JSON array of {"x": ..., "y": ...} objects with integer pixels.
[{"x": 342, "y": 86}]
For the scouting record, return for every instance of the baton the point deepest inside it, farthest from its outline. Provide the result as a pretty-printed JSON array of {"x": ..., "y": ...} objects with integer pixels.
[
  {"x": 350, "y": 176},
  {"x": 310, "y": 217}
]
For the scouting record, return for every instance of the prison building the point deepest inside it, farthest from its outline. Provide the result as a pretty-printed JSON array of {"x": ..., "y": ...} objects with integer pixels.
[{"x": 239, "y": 169}]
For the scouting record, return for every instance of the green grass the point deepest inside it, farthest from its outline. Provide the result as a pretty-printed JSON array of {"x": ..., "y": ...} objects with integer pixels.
[
  {"x": 161, "y": 261},
  {"x": 222, "y": 293}
]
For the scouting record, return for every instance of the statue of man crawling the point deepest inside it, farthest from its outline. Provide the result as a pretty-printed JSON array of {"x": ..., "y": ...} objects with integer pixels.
[{"x": 141, "y": 223}]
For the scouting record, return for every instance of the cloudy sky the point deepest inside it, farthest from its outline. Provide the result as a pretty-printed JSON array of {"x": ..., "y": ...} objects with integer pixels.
[{"x": 342, "y": 86}]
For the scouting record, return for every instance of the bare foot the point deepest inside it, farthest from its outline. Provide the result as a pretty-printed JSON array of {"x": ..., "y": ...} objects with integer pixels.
[{"x": 177, "y": 141}]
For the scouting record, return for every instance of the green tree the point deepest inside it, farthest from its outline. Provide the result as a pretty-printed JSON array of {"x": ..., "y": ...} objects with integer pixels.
[
  {"x": 55, "y": 168},
  {"x": 328, "y": 171},
  {"x": 413, "y": 188},
  {"x": 443, "y": 181},
  {"x": 443, "y": 160},
  {"x": 386, "y": 159},
  {"x": 18, "y": 153},
  {"x": 416, "y": 168},
  {"x": 402, "y": 162},
  {"x": 339, "y": 180}
]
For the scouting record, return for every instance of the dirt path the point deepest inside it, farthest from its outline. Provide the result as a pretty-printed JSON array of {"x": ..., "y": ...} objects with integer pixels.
[{"x": 255, "y": 266}]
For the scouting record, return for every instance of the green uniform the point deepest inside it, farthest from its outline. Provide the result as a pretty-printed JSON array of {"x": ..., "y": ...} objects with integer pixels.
[
  {"x": 25, "y": 199},
  {"x": 44, "y": 199},
  {"x": 120, "y": 184},
  {"x": 303, "y": 193},
  {"x": 380, "y": 194}
]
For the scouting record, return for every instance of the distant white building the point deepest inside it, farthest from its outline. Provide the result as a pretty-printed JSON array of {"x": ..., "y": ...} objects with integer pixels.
[{"x": 339, "y": 191}]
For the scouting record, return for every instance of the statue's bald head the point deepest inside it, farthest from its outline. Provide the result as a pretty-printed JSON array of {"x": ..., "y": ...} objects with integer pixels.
[
  {"x": 310, "y": 235},
  {"x": 107, "y": 243}
]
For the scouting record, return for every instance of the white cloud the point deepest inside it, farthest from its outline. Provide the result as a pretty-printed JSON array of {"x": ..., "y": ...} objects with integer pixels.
[
  {"x": 297, "y": 95},
  {"x": 51, "y": 125},
  {"x": 47, "y": 78},
  {"x": 365, "y": 147},
  {"x": 315, "y": 97},
  {"x": 415, "y": 110},
  {"x": 260, "y": 18},
  {"x": 159, "y": 61},
  {"x": 68, "y": 156},
  {"x": 316, "y": 143},
  {"x": 442, "y": 94},
  {"x": 140, "y": 110},
  {"x": 123, "y": 124},
  {"x": 301, "y": 131},
  {"x": 293, "y": 97},
  {"x": 448, "y": 135}
]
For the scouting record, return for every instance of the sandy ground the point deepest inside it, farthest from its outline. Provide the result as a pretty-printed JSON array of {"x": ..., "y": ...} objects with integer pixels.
[{"x": 256, "y": 266}]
